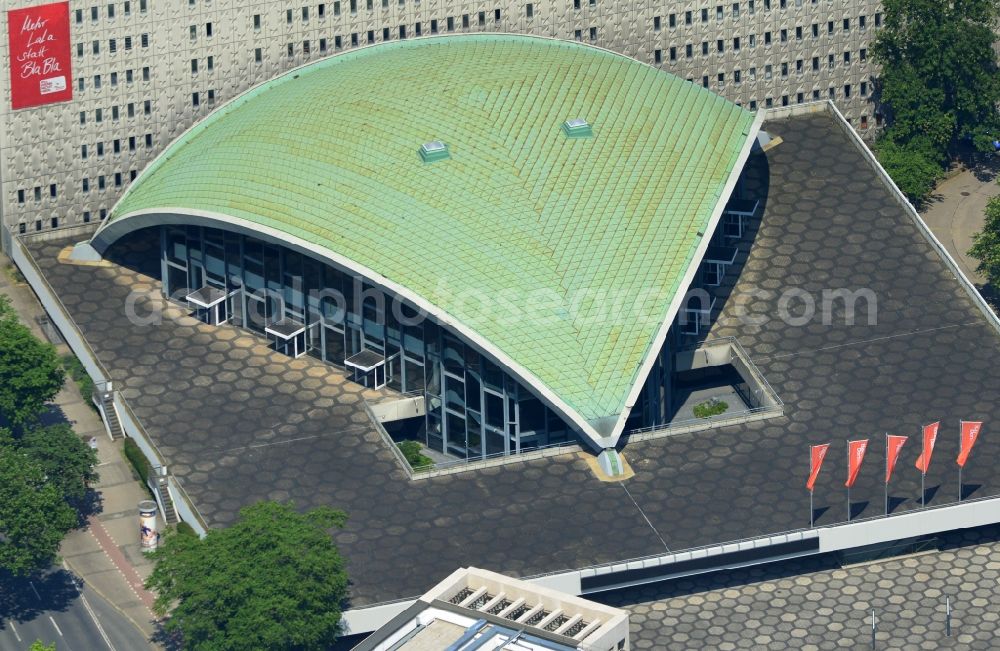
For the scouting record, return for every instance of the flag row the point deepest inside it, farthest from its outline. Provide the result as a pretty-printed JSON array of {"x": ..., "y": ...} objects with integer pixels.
[{"x": 894, "y": 444}]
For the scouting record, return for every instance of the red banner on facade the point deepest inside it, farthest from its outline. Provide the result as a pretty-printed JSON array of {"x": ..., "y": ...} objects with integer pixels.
[
  {"x": 39, "y": 55},
  {"x": 816, "y": 455},
  {"x": 930, "y": 436},
  {"x": 970, "y": 432},
  {"x": 893, "y": 445},
  {"x": 855, "y": 455}
]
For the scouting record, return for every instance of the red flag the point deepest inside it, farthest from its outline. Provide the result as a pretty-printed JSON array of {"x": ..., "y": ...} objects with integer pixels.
[
  {"x": 930, "y": 436},
  {"x": 893, "y": 444},
  {"x": 855, "y": 455},
  {"x": 816, "y": 455},
  {"x": 970, "y": 432}
]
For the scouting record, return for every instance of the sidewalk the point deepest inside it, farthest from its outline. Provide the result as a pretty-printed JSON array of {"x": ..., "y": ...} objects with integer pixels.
[
  {"x": 106, "y": 553},
  {"x": 957, "y": 212}
]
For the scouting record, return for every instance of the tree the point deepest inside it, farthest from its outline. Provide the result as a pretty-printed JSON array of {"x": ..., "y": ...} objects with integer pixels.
[
  {"x": 30, "y": 372},
  {"x": 67, "y": 461},
  {"x": 939, "y": 85},
  {"x": 38, "y": 645},
  {"x": 33, "y": 516},
  {"x": 986, "y": 244},
  {"x": 273, "y": 580}
]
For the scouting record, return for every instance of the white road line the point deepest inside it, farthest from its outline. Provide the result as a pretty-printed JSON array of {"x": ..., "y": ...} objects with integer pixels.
[
  {"x": 34, "y": 590},
  {"x": 90, "y": 611},
  {"x": 15, "y": 632},
  {"x": 93, "y": 616},
  {"x": 56, "y": 626}
]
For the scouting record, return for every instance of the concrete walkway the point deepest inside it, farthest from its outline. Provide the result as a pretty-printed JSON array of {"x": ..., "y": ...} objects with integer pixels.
[
  {"x": 106, "y": 553},
  {"x": 956, "y": 213}
]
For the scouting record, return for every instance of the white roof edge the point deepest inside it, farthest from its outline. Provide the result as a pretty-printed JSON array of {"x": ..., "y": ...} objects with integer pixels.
[
  {"x": 111, "y": 231},
  {"x": 675, "y": 304}
]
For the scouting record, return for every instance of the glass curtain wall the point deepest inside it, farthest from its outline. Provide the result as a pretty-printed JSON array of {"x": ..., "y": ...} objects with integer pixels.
[{"x": 474, "y": 409}]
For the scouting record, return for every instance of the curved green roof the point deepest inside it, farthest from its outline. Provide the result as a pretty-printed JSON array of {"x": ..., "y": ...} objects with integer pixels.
[{"x": 552, "y": 232}]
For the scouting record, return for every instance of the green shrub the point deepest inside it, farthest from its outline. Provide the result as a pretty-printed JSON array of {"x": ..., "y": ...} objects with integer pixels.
[
  {"x": 412, "y": 452},
  {"x": 184, "y": 529},
  {"x": 79, "y": 374},
  {"x": 710, "y": 408},
  {"x": 138, "y": 460}
]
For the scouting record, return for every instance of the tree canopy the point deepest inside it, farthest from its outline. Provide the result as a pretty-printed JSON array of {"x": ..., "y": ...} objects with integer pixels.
[
  {"x": 30, "y": 372},
  {"x": 986, "y": 244},
  {"x": 66, "y": 460},
  {"x": 273, "y": 580},
  {"x": 33, "y": 514},
  {"x": 939, "y": 85}
]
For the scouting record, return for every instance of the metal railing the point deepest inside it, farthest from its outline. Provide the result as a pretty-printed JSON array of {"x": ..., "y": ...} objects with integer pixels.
[
  {"x": 56, "y": 309},
  {"x": 765, "y": 401},
  {"x": 464, "y": 465},
  {"x": 800, "y": 533}
]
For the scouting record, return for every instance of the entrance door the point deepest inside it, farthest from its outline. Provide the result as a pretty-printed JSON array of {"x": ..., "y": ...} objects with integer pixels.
[
  {"x": 333, "y": 345},
  {"x": 234, "y": 304},
  {"x": 196, "y": 276}
]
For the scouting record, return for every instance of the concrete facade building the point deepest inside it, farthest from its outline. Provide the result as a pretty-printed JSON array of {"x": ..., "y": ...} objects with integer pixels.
[{"x": 143, "y": 71}]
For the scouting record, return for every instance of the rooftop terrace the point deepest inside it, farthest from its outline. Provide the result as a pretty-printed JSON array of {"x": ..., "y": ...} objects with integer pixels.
[{"x": 239, "y": 423}]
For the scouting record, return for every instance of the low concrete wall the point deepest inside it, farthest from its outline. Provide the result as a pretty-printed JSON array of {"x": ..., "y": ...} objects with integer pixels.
[
  {"x": 388, "y": 411},
  {"x": 909, "y": 525},
  {"x": 60, "y": 317}
]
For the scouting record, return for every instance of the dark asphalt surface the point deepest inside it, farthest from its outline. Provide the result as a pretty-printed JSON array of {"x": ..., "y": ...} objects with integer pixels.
[{"x": 54, "y": 608}]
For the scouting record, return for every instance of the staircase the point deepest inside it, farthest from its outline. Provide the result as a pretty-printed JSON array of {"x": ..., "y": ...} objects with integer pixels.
[
  {"x": 159, "y": 485},
  {"x": 105, "y": 400}
]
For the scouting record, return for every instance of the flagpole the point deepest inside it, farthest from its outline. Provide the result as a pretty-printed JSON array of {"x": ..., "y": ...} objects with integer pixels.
[
  {"x": 960, "y": 466},
  {"x": 848, "y": 481},
  {"x": 812, "y": 512},
  {"x": 887, "y": 473},
  {"x": 923, "y": 471}
]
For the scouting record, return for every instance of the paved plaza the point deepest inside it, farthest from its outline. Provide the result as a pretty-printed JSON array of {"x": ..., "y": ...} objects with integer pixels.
[
  {"x": 239, "y": 423},
  {"x": 814, "y": 604}
]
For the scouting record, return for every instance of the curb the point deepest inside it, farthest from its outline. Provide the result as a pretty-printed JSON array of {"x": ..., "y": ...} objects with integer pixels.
[{"x": 110, "y": 601}]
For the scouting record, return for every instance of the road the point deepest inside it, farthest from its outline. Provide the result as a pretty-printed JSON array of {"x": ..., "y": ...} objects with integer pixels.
[{"x": 55, "y": 609}]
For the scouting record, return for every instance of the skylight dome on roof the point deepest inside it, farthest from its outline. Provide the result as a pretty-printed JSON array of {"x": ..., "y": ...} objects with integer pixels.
[
  {"x": 577, "y": 128},
  {"x": 433, "y": 151}
]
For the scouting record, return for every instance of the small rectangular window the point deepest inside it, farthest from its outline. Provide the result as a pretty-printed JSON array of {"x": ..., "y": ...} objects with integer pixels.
[
  {"x": 95, "y": 47},
  {"x": 673, "y": 53},
  {"x": 112, "y": 45},
  {"x": 111, "y": 11},
  {"x": 149, "y": 140},
  {"x": 83, "y": 152},
  {"x": 142, "y": 6},
  {"x": 321, "y": 10},
  {"x": 305, "y": 14},
  {"x": 656, "y": 23},
  {"x": 20, "y": 196},
  {"x": 257, "y": 55},
  {"x": 79, "y": 16},
  {"x": 127, "y": 8},
  {"x": 288, "y": 14},
  {"x": 208, "y": 29},
  {"x": 194, "y": 31},
  {"x": 145, "y": 73},
  {"x": 128, "y": 42},
  {"x": 657, "y": 56},
  {"x": 290, "y": 48},
  {"x": 256, "y": 21},
  {"x": 194, "y": 66}
]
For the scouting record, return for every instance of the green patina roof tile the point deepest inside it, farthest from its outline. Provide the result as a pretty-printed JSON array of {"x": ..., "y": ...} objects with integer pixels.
[{"x": 329, "y": 154}]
